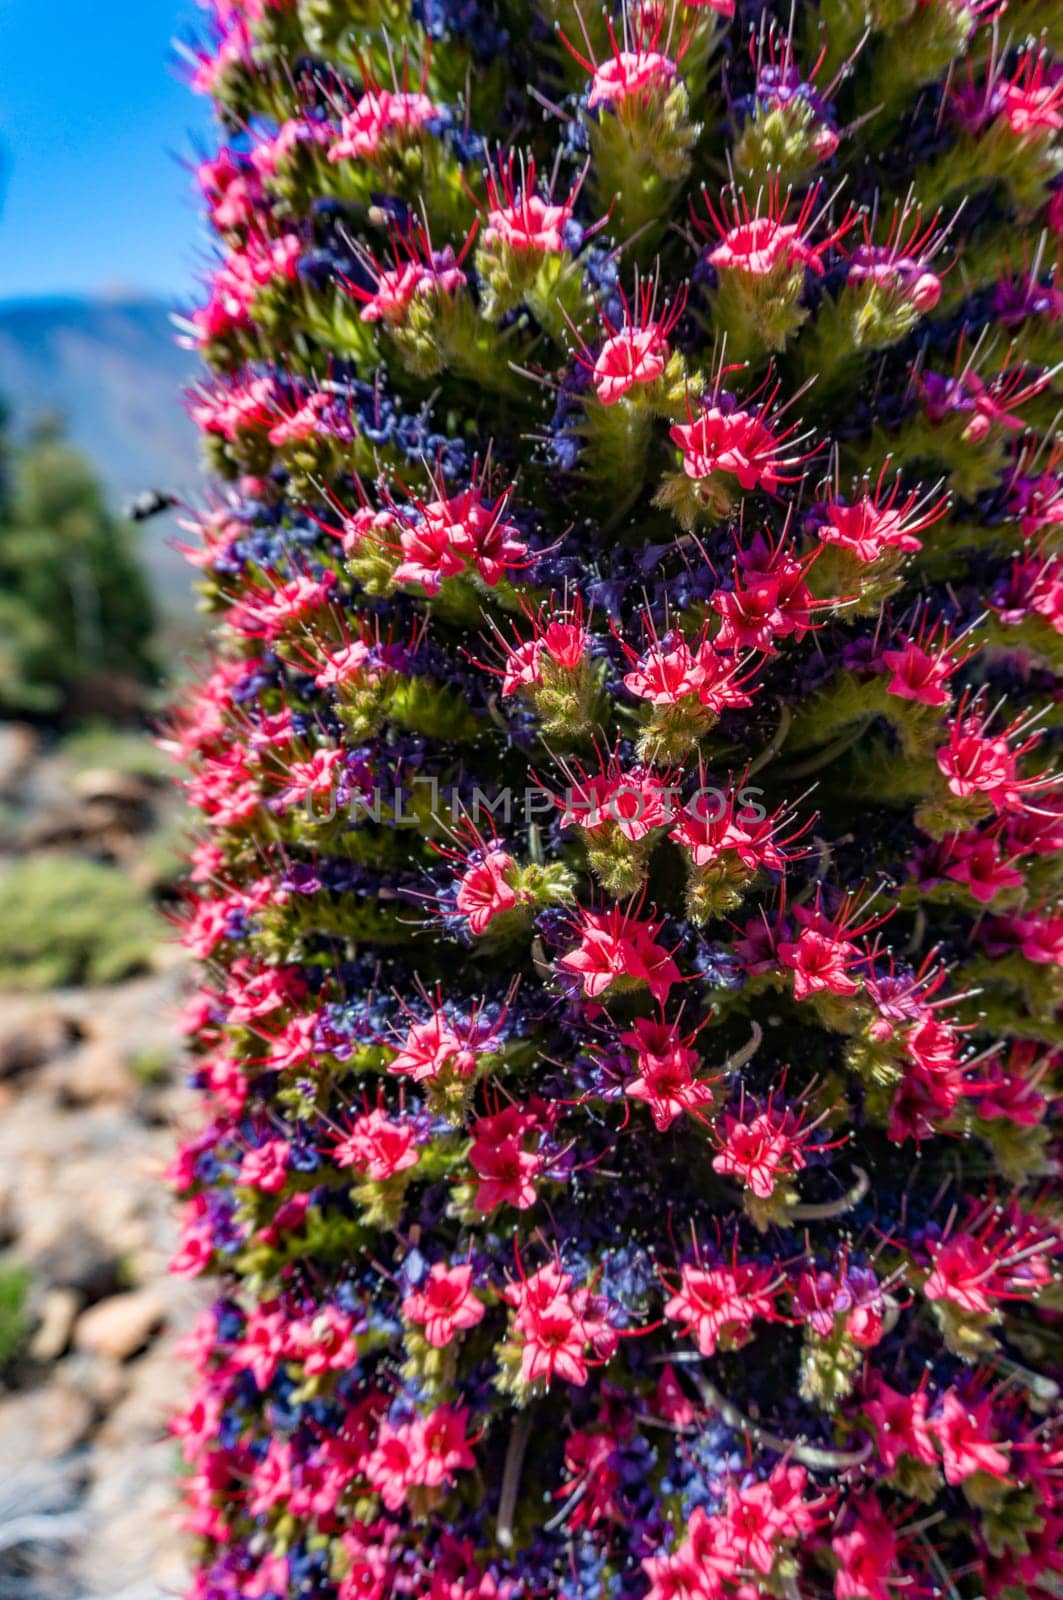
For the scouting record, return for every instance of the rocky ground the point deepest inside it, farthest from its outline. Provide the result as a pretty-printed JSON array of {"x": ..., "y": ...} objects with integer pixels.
[{"x": 91, "y": 1094}]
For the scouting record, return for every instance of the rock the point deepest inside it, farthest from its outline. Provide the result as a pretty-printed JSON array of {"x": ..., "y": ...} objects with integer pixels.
[
  {"x": 134, "y": 1549},
  {"x": 100, "y": 783},
  {"x": 67, "y": 1418},
  {"x": 95, "y": 1074},
  {"x": 103, "y": 1381},
  {"x": 58, "y": 1313},
  {"x": 78, "y": 1259},
  {"x": 18, "y": 746},
  {"x": 112, "y": 696},
  {"x": 30, "y": 1037},
  {"x": 44, "y": 1423},
  {"x": 121, "y": 1325},
  {"x": 156, "y": 1383}
]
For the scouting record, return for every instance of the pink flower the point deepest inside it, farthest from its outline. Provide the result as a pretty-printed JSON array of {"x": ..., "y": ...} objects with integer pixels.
[
  {"x": 381, "y": 117},
  {"x": 326, "y": 1342},
  {"x": 963, "y": 1271},
  {"x": 310, "y": 779},
  {"x": 446, "y": 1305},
  {"x": 975, "y": 861},
  {"x": 763, "y": 245},
  {"x": 920, "y": 673},
  {"x": 628, "y": 75},
  {"x": 759, "y": 1151},
  {"x": 761, "y": 1515},
  {"x": 667, "y": 672},
  {"x": 974, "y": 761},
  {"x": 441, "y": 1448},
  {"x": 505, "y": 1169},
  {"x": 899, "y": 1423},
  {"x": 395, "y": 289},
  {"x": 666, "y": 1071},
  {"x": 737, "y": 442},
  {"x": 867, "y": 1556},
  {"x": 485, "y": 893},
  {"x": 391, "y": 1467},
  {"x": 962, "y": 1429},
  {"x": 632, "y": 356},
  {"x": 631, "y": 803},
  {"x": 769, "y": 600},
  {"x": 718, "y": 1305},
  {"x": 819, "y": 963},
  {"x": 519, "y": 218},
  {"x": 555, "y": 1324},
  {"x": 449, "y": 533},
  {"x": 680, "y": 1575},
  {"x": 437, "y": 1046},
  {"x": 530, "y": 224},
  {"x": 377, "y": 1146},
  {"x": 713, "y": 827},
  {"x": 1032, "y": 102},
  {"x": 615, "y": 945},
  {"x": 559, "y": 643},
  {"x": 870, "y": 527},
  {"x": 266, "y": 1168},
  {"x": 345, "y": 665},
  {"x": 264, "y": 1343}
]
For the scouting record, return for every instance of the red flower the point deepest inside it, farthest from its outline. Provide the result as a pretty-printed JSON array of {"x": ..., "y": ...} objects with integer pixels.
[
  {"x": 666, "y": 1071},
  {"x": 634, "y": 355},
  {"x": 484, "y": 893},
  {"x": 614, "y": 945},
  {"x": 376, "y": 1146},
  {"x": 867, "y": 1555},
  {"x": 738, "y": 442},
  {"x": 718, "y": 1305},
  {"x": 445, "y": 1305},
  {"x": 521, "y": 219},
  {"x": 631, "y": 74},
  {"x": 899, "y": 1422},
  {"x": 819, "y": 963},
  {"x": 962, "y": 1429},
  {"x": 759, "y": 1151},
  {"x": 505, "y": 1169},
  {"x": 380, "y": 117}
]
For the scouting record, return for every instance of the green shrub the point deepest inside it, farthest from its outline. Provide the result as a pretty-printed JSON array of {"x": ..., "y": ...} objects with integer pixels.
[
  {"x": 66, "y": 921},
  {"x": 73, "y": 601},
  {"x": 14, "y": 1319}
]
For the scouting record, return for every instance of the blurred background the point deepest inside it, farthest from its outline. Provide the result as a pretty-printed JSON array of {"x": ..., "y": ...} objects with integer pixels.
[{"x": 99, "y": 244}]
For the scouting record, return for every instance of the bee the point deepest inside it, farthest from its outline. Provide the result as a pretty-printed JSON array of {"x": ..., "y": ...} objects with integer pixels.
[{"x": 148, "y": 503}]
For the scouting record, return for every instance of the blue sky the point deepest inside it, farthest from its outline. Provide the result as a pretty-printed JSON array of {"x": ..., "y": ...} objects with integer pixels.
[{"x": 94, "y": 119}]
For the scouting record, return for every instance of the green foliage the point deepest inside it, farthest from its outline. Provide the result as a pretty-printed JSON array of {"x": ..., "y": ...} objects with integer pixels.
[
  {"x": 73, "y": 601},
  {"x": 14, "y": 1319},
  {"x": 98, "y": 744},
  {"x": 68, "y": 921}
]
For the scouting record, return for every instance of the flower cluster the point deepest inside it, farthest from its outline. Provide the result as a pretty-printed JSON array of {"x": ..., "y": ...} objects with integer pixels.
[{"x": 628, "y": 890}]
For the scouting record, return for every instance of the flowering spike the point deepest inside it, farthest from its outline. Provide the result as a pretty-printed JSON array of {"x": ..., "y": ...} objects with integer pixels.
[{"x": 629, "y": 891}]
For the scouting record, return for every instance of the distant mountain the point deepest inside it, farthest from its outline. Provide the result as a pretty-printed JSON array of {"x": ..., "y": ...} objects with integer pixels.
[{"x": 111, "y": 368}]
